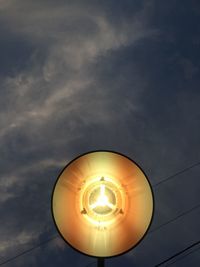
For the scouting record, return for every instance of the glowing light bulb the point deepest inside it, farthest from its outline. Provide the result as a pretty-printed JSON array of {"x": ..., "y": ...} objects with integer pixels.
[
  {"x": 102, "y": 201},
  {"x": 102, "y": 198},
  {"x": 98, "y": 198}
]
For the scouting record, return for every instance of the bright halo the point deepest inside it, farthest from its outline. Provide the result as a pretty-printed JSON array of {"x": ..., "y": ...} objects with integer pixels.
[{"x": 99, "y": 199}]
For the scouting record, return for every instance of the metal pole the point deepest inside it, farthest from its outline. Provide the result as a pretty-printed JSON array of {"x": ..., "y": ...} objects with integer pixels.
[{"x": 100, "y": 262}]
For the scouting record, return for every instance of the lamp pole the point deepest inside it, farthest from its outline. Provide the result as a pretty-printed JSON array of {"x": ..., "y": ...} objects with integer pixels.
[{"x": 100, "y": 262}]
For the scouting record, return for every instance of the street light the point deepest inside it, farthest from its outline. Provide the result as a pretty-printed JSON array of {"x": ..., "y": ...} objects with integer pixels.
[{"x": 102, "y": 204}]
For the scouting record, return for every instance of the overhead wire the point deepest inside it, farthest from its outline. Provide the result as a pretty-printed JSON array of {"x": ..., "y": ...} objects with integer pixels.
[
  {"x": 177, "y": 254},
  {"x": 180, "y": 215},
  {"x": 29, "y": 250},
  {"x": 51, "y": 239},
  {"x": 184, "y": 256},
  {"x": 175, "y": 218},
  {"x": 157, "y": 228},
  {"x": 176, "y": 174}
]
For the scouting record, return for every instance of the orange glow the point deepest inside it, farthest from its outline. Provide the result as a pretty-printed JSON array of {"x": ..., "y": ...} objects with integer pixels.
[{"x": 102, "y": 204}]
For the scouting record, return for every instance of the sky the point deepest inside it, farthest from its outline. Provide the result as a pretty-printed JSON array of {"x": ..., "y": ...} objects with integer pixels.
[{"x": 77, "y": 76}]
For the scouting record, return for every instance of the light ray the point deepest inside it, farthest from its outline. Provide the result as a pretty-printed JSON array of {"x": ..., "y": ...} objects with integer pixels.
[{"x": 102, "y": 190}]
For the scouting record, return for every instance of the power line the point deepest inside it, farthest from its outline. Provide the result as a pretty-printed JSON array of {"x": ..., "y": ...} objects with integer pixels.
[
  {"x": 28, "y": 250},
  {"x": 178, "y": 253},
  {"x": 49, "y": 240},
  {"x": 180, "y": 258},
  {"x": 157, "y": 184},
  {"x": 176, "y": 174},
  {"x": 175, "y": 218}
]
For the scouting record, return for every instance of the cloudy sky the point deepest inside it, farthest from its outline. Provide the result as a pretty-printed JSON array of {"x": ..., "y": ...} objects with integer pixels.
[{"x": 80, "y": 75}]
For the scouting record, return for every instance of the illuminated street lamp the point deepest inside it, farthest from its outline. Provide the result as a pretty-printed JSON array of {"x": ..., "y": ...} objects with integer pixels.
[{"x": 102, "y": 204}]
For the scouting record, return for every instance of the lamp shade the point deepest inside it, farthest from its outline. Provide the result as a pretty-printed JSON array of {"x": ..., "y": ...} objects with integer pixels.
[{"x": 102, "y": 204}]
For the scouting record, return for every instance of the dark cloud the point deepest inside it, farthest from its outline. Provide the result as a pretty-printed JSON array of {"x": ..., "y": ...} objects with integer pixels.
[{"x": 97, "y": 75}]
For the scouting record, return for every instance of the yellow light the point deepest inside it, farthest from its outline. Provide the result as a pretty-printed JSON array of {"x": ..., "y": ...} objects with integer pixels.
[
  {"x": 100, "y": 198},
  {"x": 103, "y": 203}
]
